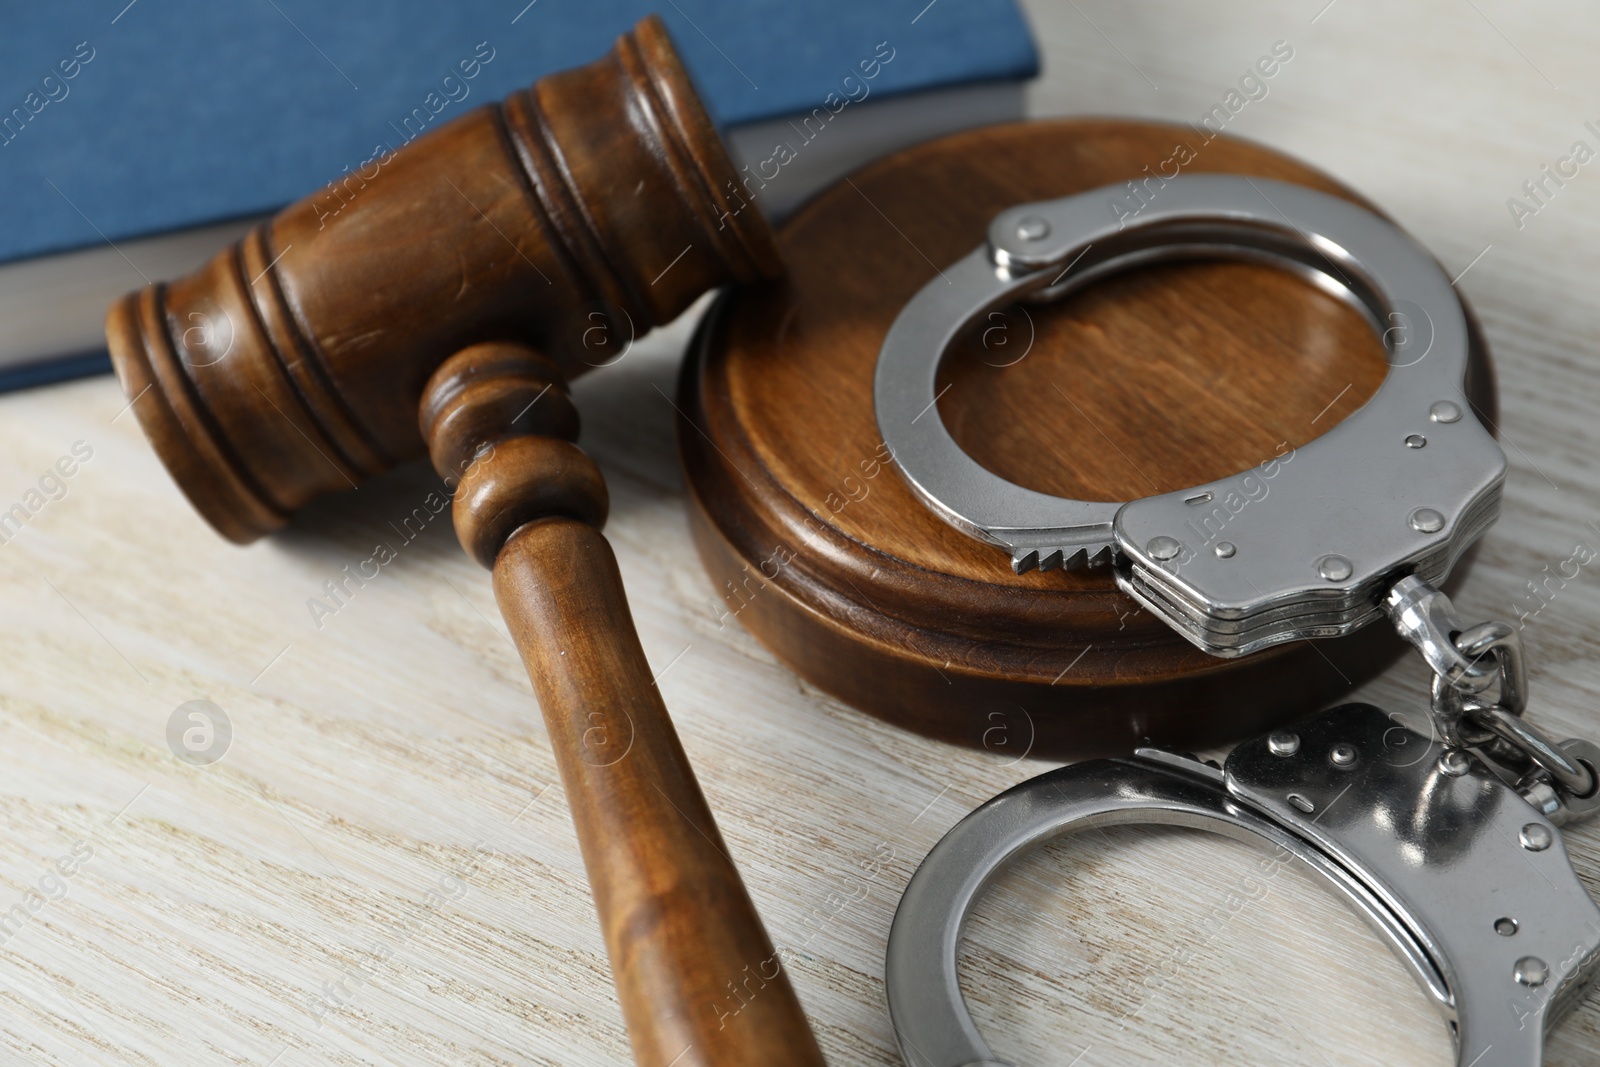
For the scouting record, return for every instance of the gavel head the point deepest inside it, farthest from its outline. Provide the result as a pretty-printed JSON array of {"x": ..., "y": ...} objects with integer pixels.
[{"x": 573, "y": 216}]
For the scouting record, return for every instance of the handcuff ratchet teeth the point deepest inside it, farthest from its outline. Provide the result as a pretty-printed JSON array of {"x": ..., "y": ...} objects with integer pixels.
[{"x": 1402, "y": 486}]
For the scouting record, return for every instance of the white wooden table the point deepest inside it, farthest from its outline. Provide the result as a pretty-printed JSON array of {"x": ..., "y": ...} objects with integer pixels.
[{"x": 389, "y": 794}]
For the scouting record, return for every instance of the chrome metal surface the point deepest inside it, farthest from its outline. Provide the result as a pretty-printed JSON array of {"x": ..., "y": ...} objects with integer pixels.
[
  {"x": 1544, "y": 799},
  {"x": 1581, "y": 805},
  {"x": 1163, "y": 548},
  {"x": 1535, "y": 837},
  {"x": 1334, "y": 568},
  {"x": 1430, "y": 860},
  {"x": 1532, "y": 971},
  {"x": 1560, "y": 779},
  {"x": 1427, "y": 520},
  {"x": 1468, "y": 659},
  {"x": 1349, "y": 493},
  {"x": 1283, "y": 743},
  {"x": 1033, "y": 228},
  {"x": 1570, "y": 774}
]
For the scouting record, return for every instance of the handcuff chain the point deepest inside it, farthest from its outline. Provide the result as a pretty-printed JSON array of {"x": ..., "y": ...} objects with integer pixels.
[{"x": 1558, "y": 778}]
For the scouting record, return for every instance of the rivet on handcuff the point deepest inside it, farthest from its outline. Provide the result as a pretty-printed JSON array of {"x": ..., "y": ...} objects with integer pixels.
[{"x": 1423, "y": 836}]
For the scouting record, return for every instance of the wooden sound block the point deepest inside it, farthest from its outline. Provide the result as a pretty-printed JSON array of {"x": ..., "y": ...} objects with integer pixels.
[{"x": 1152, "y": 381}]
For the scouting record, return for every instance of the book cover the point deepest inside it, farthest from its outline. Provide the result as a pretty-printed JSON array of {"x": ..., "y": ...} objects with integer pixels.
[{"x": 125, "y": 120}]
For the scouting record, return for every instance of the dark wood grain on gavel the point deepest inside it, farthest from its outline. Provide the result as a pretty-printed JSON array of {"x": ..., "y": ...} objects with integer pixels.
[
  {"x": 525, "y": 242},
  {"x": 678, "y": 923},
  {"x": 591, "y": 207}
]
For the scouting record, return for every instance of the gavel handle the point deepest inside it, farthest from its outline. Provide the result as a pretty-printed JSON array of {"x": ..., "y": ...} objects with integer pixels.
[
  {"x": 698, "y": 978},
  {"x": 699, "y": 981}
]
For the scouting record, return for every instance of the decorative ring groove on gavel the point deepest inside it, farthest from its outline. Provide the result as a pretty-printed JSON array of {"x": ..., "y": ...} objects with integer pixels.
[
  {"x": 291, "y": 364},
  {"x": 529, "y": 507},
  {"x": 478, "y": 417},
  {"x": 444, "y": 310}
]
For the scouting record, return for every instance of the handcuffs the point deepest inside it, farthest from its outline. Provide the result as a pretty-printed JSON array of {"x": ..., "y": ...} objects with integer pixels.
[{"x": 1427, "y": 837}]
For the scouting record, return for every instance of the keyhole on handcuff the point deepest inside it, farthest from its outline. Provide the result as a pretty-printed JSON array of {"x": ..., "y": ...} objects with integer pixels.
[{"x": 1157, "y": 378}]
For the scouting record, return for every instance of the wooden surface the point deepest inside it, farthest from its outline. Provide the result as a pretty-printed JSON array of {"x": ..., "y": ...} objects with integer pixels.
[
  {"x": 596, "y": 172},
  {"x": 573, "y": 215},
  {"x": 698, "y": 979},
  {"x": 681, "y": 932},
  {"x": 383, "y": 850},
  {"x": 1148, "y": 383}
]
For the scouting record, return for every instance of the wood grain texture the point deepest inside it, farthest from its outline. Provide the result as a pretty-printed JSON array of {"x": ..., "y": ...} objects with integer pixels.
[
  {"x": 574, "y": 215},
  {"x": 698, "y": 979},
  {"x": 487, "y": 392},
  {"x": 1153, "y": 381},
  {"x": 230, "y": 914},
  {"x": 261, "y": 395}
]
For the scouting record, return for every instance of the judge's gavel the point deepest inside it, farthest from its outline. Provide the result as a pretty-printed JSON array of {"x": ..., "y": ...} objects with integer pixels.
[{"x": 438, "y": 300}]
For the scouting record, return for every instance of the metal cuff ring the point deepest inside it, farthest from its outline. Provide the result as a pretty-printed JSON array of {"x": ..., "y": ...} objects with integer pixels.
[
  {"x": 1435, "y": 861},
  {"x": 1360, "y": 504}
]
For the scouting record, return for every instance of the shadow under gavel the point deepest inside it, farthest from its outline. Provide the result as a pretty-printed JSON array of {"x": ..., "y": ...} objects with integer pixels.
[{"x": 439, "y": 300}]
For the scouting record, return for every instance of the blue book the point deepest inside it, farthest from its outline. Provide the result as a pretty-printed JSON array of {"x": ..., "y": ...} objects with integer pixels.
[{"x": 137, "y": 138}]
